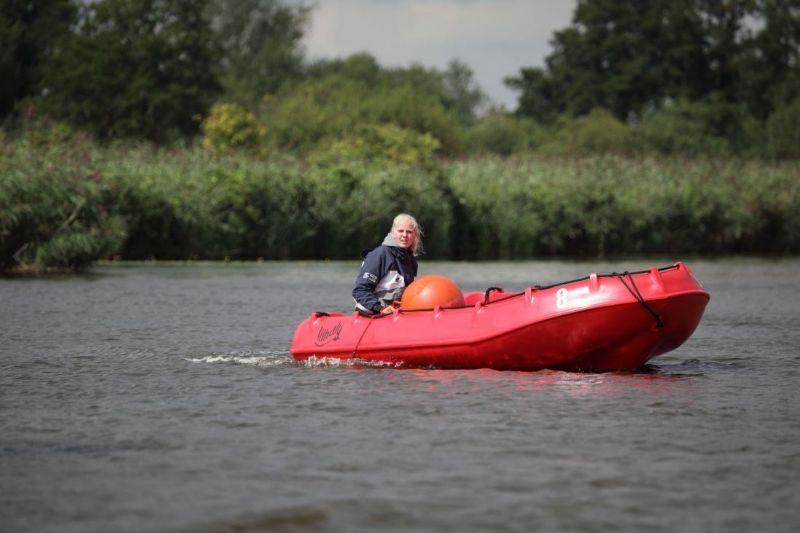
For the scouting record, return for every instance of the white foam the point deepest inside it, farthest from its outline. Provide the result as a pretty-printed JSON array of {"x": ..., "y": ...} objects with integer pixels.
[
  {"x": 276, "y": 359},
  {"x": 335, "y": 362},
  {"x": 261, "y": 359}
]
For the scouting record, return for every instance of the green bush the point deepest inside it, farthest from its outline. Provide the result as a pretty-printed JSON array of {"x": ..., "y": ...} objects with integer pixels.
[
  {"x": 312, "y": 113},
  {"x": 783, "y": 131},
  {"x": 229, "y": 126},
  {"x": 683, "y": 128},
  {"x": 321, "y": 111},
  {"x": 597, "y": 133},
  {"x": 501, "y": 134},
  {"x": 412, "y": 109},
  {"x": 379, "y": 144}
]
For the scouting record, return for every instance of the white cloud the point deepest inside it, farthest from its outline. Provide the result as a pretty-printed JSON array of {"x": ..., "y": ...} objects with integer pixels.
[{"x": 495, "y": 38}]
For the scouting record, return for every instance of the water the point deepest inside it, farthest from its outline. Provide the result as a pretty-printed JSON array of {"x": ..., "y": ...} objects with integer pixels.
[{"x": 159, "y": 398}]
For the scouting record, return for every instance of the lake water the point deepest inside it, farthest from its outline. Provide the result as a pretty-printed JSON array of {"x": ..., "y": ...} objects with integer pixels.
[{"x": 163, "y": 398}]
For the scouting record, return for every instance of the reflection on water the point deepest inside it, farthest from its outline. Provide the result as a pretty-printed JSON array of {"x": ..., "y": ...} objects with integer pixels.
[{"x": 164, "y": 399}]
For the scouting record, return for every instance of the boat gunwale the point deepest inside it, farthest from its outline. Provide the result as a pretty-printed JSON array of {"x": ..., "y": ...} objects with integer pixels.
[{"x": 511, "y": 295}]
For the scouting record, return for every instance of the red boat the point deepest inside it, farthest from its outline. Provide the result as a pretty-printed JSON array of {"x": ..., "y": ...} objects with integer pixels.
[{"x": 599, "y": 323}]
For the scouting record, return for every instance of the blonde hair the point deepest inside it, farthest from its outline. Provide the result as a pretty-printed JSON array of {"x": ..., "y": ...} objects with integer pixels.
[{"x": 417, "y": 247}]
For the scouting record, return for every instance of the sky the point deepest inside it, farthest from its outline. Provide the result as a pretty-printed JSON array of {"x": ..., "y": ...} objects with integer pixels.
[{"x": 496, "y": 38}]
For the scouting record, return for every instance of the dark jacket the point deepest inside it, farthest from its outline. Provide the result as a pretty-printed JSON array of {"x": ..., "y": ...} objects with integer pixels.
[{"x": 385, "y": 273}]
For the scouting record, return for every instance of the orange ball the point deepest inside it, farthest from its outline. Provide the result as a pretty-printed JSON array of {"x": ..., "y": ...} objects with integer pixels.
[{"x": 427, "y": 292}]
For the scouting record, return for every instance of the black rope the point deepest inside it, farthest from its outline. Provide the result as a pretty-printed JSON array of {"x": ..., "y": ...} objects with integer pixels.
[
  {"x": 639, "y": 298},
  {"x": 488, "y": 291},
  {"x": 612, "y": 275},
  {"x": 354, "y": 355}
]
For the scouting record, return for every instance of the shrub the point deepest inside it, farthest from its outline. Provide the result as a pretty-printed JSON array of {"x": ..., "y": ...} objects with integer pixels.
[
  {"x": 312, "y": 113},
  {"x": 783, "y": 131},
  {"x": 683, "y": 128},
  {"x": 501, "y": 134},
  {"x": 381, "y": 144},
  {"x": 412, "y": 109},
  {"x": 229, "y": 126},
  {"x": 321, "y": 111},
  {"x": 599, "y": 132}
]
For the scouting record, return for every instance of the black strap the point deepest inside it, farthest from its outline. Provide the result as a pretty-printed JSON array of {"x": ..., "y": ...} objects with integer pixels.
[{"x": 639, "y": 298}]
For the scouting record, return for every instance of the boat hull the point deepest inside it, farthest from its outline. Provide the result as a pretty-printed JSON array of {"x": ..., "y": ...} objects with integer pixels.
[{"x": 599, "y": 323}]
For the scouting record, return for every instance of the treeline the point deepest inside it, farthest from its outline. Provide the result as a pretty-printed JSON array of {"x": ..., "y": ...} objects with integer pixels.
[
  {"x": 682, "y": 77},
  {"x": 197, "y": 130},
  {"x": 698, "y": 76}
]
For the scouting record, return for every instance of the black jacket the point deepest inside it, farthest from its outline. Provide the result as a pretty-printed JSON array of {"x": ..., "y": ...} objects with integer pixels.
[{"x": 385, "y": 273}]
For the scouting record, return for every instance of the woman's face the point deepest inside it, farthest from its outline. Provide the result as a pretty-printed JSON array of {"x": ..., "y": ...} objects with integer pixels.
[{"x": 404, "y": 233}]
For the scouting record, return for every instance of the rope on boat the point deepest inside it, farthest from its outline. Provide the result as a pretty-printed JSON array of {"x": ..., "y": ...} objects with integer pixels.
[
  {"x": 634, "y": 290},
  {"x": 355, "y": 348}
]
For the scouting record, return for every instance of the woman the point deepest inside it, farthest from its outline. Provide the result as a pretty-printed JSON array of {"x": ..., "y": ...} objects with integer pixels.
[{"x": 389, "y": 268}]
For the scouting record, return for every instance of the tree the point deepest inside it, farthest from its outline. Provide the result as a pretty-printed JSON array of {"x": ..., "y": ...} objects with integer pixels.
[
  {"x": 260, "y": 42},
  {"x": 540, "y": 98},
  {"x": 140, "y": 68},
  {"x": 624, "y": 56},
  {"x": 630, "y": 56},
  {"x": 770, "y": 66},
  {"x": 460, "y": 93},
  {"x": 732, "y": 67},
  {"x": 725, "y": 39},
  {"x": 28, "y": 32}
]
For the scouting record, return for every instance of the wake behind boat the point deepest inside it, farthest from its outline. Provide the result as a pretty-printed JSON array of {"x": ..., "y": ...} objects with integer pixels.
[{"x": 602, "y": 322}]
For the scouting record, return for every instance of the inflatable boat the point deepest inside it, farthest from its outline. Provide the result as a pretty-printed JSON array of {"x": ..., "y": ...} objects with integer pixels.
[{"x": 602, "y": 322}]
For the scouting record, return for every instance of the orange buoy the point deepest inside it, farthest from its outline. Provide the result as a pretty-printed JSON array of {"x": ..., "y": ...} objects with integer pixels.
[{"x": 427, "y": 292}]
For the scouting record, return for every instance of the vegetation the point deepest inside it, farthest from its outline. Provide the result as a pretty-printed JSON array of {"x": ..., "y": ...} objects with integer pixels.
[
  {"x": 66, "y": 206},
  {"x": 179, "y": 130},
  {"x": 55, "y": 210}
]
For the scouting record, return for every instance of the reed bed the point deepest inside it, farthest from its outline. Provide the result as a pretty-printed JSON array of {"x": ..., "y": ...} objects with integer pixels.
[{"x": 67, "y": 204}]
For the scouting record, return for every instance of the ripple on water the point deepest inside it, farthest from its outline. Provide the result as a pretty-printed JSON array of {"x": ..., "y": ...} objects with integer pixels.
[{"x": 170, "y": 403}]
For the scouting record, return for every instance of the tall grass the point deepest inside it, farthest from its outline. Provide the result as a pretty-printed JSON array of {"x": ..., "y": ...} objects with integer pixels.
[
  {"x": 56, "y": 210},
  {"x": 602, "y": 205},
  {"x": 190, "y": 205},
  {"x": 68, "y": 204}
]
